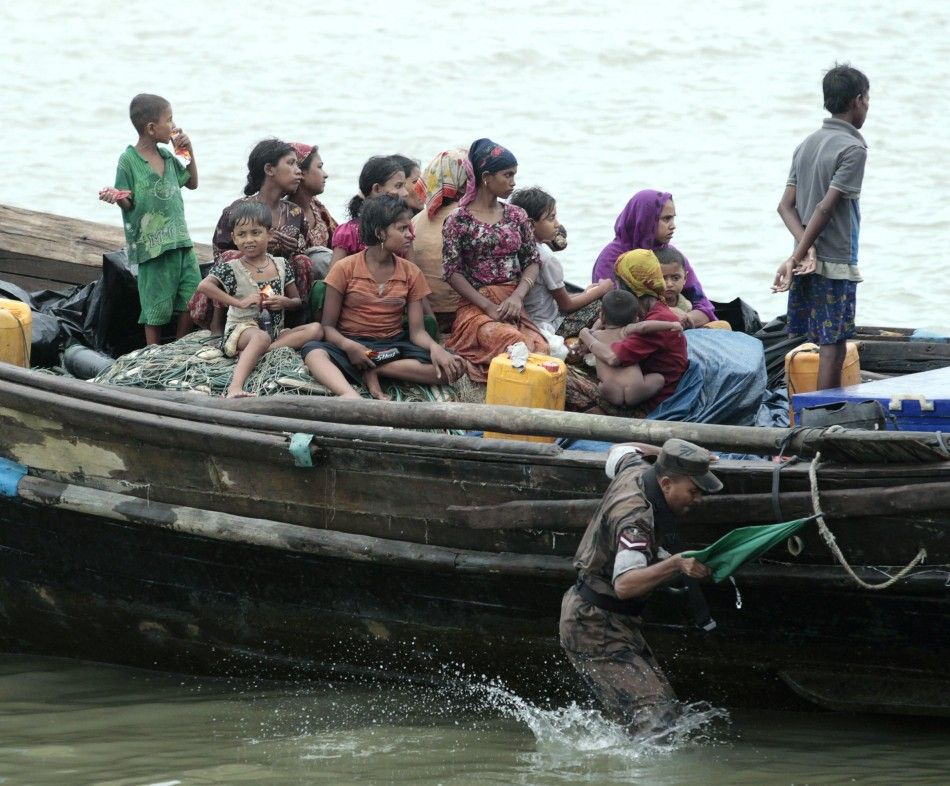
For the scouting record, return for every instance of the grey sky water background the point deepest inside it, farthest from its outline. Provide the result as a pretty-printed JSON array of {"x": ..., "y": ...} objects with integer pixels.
[{"x": 597, "y": 100}]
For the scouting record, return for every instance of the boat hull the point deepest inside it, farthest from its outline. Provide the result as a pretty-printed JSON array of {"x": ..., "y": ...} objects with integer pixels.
[{"x": 142, "y": 592}]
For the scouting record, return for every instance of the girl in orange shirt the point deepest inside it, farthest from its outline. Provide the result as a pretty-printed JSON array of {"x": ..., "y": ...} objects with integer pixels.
[{"x": 367, "y": 296}]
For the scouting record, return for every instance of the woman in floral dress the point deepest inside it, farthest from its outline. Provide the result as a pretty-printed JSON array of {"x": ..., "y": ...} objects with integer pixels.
[{"x": 490, "y": 257}]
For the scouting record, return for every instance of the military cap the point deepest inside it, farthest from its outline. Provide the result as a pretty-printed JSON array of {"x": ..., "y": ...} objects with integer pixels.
[{"x": 680, "y": 457}]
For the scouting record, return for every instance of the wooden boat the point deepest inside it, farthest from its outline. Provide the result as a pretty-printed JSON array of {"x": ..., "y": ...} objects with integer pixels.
[{"x": 298, "y": 537}]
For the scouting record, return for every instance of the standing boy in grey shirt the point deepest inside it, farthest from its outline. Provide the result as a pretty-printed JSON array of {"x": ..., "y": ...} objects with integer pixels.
[{"x": 820, "y": 209}]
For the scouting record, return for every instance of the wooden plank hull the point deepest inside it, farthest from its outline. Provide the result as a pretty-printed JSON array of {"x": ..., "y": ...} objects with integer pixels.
[
  {"x": 144, "y": 537},
  {"x": 82, "y": 586}
]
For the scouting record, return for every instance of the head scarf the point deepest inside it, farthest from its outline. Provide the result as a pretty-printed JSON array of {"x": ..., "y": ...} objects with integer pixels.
[
  {"x": 485, "y": 156},
  {"x": 302, "y": 151},
  {"x": 635, "y": 228},
  {"x": 640, "y": 271},
  {"x": 445, "y": 177}
]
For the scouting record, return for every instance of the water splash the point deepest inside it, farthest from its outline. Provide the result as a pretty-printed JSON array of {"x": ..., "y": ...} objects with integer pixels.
[{"x": 575, "y": 729}]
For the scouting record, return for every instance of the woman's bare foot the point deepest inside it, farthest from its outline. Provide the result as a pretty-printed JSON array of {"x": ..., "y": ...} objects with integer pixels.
[{"x": 239, "y": 393}]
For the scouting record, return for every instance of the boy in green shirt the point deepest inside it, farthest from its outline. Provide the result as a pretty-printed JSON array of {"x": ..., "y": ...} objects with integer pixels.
[{"x": 148, "y": 184}]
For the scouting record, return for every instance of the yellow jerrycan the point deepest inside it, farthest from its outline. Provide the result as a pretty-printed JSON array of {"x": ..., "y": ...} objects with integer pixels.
[
  {"x": 541, "y": 385},
  {"x": 16, "y": 332}
]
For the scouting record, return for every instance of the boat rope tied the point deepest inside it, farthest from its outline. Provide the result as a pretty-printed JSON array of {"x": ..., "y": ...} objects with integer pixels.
[
  {"x": 829, "y": 538},
  {"x": 300, "y": 450}
]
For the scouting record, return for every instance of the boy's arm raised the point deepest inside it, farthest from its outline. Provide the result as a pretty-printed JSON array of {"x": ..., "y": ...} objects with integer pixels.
[
  {"x": 599, "y": 349},
  {"x": 568, "y": 303},
  {"x": 192, "y": 170},
  {"x": 182, "y": 142}
]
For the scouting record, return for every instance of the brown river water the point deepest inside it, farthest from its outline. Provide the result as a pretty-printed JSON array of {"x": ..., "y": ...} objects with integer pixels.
[
  {"x": 66, "y": 722},
  {"x": 706, "y": 100}
]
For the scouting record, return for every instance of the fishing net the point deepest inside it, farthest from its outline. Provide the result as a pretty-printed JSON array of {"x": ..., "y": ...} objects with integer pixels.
[{"x": 196, "y": 364}]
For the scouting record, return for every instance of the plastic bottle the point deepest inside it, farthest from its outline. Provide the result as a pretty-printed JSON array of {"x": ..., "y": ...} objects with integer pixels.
[
  {"x": 182, "y": 152},
  {"x": 266, "y": 322}
]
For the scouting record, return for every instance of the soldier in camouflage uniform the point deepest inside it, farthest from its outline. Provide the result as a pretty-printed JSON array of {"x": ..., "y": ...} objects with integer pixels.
[{"x": 619, "y": 563}]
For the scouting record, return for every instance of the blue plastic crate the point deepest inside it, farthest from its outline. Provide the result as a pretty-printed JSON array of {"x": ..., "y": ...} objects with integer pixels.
[{"x": 917, "y": 402}]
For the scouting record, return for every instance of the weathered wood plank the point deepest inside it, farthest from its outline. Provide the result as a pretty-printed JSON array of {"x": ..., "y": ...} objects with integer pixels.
[
  {"x": 293, "y": 413},
  {"x": 57, "y": 248},
  {"x": 909, "y": 357},
  {"x": 32, "y": 283},
  {"x": 734, "y": 509},
  {"x": 289, "y": 537}
]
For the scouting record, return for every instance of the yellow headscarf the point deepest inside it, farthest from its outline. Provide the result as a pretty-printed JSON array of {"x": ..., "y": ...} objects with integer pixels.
[{"x": 640, "y": 271}]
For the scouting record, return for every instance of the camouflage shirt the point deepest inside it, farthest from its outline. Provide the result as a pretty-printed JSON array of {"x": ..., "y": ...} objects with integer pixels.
[{"x": 623, "y": 528}]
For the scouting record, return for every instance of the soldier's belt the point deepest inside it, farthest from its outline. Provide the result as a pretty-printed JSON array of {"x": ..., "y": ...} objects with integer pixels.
[{"x": 632, "y": 607}]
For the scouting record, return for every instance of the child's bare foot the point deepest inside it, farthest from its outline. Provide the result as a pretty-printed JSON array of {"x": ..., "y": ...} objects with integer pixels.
[
  {"x": 371, "y": 380},
  {"x": 239, "y": 393}
]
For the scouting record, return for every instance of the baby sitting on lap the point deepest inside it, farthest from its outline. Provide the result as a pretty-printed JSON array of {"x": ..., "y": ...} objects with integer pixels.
[{"x": 621, "y": 384}]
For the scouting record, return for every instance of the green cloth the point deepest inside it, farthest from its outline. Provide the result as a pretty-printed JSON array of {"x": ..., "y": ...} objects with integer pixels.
[
  {"x": 318, "y": 293},
  {"x": 156, "y": 222},
  {"x": 166, "y": 284},
  {"x": 738, "y": 546}
]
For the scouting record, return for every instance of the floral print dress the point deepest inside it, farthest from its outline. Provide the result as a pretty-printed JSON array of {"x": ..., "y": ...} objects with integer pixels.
[
  {"x": 492, "y": 258},
  {"x": 487, "y": 254}
]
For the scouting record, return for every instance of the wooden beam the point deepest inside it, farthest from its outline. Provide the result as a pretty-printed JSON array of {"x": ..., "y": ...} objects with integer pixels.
[
  {"x": 59, "y": 249},
  {"x": 271, "y": 410},
  {"x": 289, "y": 537},
  {"x": 736, "y": 509}
]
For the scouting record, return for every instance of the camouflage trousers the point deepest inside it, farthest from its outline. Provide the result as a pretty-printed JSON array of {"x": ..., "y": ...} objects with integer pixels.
[{"x": 631, "y": 689}]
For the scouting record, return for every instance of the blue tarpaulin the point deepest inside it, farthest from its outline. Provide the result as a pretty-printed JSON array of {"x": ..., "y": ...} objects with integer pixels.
[{"x": 724, "y": 383}]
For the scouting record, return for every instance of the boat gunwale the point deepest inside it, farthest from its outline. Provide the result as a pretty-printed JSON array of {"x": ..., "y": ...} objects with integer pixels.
[{"x": 200, "y": 409}]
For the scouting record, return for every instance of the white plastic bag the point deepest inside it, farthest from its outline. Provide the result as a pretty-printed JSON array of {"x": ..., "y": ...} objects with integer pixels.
[
  {"x": 519, "y": 355},
  {"x": 556, "y": 346}
]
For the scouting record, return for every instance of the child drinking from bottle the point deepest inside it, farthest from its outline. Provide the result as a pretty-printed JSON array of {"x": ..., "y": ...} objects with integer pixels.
[
  {"x": 147, "y": 188},
  {"x": 254, "y": 286}
]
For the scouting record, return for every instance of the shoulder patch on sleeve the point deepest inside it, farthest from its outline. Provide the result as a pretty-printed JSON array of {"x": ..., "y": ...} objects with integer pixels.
[{"x": 630, "y": 540}]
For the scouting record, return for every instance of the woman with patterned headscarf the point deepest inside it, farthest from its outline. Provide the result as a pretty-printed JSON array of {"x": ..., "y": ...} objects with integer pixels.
[
  {"x": 490, "y": 258},
  {"x": 662, "y": 352},
  {"x": 319, "y": 225},
  {"x": 441, "y": 186},
  {"x": 648, "y": 221}
]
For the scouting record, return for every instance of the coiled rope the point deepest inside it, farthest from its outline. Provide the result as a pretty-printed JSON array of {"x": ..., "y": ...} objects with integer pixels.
[{"x": 829, "y": 538}]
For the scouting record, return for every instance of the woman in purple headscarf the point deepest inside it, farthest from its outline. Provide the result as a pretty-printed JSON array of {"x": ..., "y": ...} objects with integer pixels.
[{"x": 648, "y": 221}]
